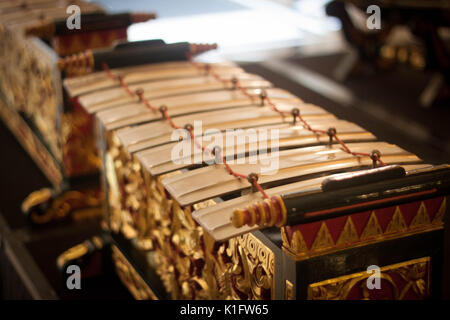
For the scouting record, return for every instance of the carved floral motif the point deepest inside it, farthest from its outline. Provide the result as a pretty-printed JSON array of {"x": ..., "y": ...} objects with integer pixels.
[{"x": 407, "y": 280}]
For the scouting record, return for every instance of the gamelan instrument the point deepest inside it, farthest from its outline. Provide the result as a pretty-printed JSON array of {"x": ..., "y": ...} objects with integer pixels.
[
  {"x": 34, "y": 38},
  {"x": 218, "y": 185},
  {"x": 426, "y": 48}
]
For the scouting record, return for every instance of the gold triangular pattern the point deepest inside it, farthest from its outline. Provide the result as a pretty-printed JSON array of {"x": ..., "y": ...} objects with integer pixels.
[
  {"x": 323, "y": 238},
  {"x": 298, "y": 244},
  {"x": 372, "y": 228},
  {"x": 439, "y": 217},
  {"x": 397, "y": 223},
  {"x": 421, "y": 218},
  {"x": 348, "y": 234}
]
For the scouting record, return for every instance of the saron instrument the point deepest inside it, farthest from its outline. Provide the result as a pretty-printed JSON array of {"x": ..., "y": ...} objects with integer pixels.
[{"x": 221, "y": 186}]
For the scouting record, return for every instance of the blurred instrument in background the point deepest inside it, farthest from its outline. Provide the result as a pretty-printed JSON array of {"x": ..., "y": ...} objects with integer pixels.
[{"x": 426, "y": 49}]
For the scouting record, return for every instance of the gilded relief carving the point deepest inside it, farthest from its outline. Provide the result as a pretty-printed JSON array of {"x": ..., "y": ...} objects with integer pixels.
[
  {"x": 130, "y": 278},
  {"x": 78, "y": 144},
  {"x": 407, "y": 280},
  {"x": 36, "y": 71},
  {"x": 190, "y": 264}
]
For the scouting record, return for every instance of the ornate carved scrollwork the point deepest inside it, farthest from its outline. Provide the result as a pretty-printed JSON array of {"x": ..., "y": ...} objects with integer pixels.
[
  {"x": 406, "y": 280},
  {"x": 130, "y": 278},
  {"x": 253, "y": 270},
  {"x": 190, "y": 264},
  {"x": 47, "y": 205}
]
